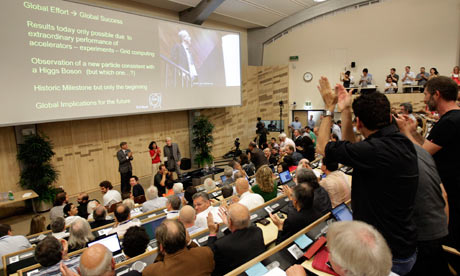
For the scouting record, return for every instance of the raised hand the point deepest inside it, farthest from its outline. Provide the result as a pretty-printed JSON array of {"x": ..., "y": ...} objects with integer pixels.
[
  {"x": 344, "y": 97},
  {"x": 287, "y": 191},
  {"x": 223, "y": 215},
  {"x": 329, "y": 97},
  {"x": 212, "y": 227}
]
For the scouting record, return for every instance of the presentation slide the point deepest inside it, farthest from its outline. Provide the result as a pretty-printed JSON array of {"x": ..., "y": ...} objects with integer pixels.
[{"x": 63, "y": 60}]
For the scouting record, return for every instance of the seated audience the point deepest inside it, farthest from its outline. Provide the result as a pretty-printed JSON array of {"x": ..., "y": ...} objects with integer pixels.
[
  {"x": 110, "y": 196},
  {"x": 295, "y": 155},
  {"x": 336, "y": 183},
  {"x": 247, "y": 165},
  {"x": 58, "y": 228},
  {"x": 178, "y": 259},
  {"x": 178, "y": 189},
  {"x": 273, "y": 144},
  {"x": 353, "y": 246},
  {"x": 390, "y": 86},
  {"x": 274, "y": 157},
  {"x": 92, "y": 204},
  {"x": 59, "y": 202},
  {"x": 266, "y": 185},
  {"x": 300, "y": 211},
  {"x": 187, "y": 216},
  {"x": 37, "y": 224},
  {"x": 161, "y": 177},
  {"x": 80, "y": 234},
  {"x": 188, "y": 195},
  {"x": 132, "y": 207},
  {"x": 203, "y": 206},
  {"x": 309, "y": 132},
  {"x": 422, "y": 77},
  {"x": 257, "y": 155},
  {"x": 169, "y": 187},
  {"x": 284, "y": 141},
  {"x": 70, "y": 213},
  {"x": 123, "y": 221},
  {"x": 290, "y": 163},
  {"x": 153, "y": 201},
  {"x": 137, "y": 189},
  {"x": 100, "y": 217},
  {"x": 173, "y": 207},
  {"x": 228, "y": 172},
  {"x": 83, "y": 200},
  {"x": 243, "y": 243},
  {"x": 227, "y": 191},
  {"x": 135, "y": 241},
  {"x": 236, "y": 166},
  {"x": 209, "y": 185},
  {"x": 322, "y": 202},
  {"x": 304, "y": 163},
  {"x": 50, "y": 252},
  {"x": 10, "y": 243},
  {"x": 406, "y": 109},
  {"x": 246, "y": 198},
  {"x": 304, "y": 146}
]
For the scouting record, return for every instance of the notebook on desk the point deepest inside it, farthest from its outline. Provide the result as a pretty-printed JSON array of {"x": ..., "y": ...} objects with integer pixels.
[{"x": 113, "y": 244}]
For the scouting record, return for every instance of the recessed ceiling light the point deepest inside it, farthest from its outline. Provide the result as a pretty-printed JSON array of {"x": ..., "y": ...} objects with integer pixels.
[{"x": 319, "y": 1}]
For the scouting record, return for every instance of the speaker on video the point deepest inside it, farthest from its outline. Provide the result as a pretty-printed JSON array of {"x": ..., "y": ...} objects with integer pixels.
[{"x": 353, "y": 64}]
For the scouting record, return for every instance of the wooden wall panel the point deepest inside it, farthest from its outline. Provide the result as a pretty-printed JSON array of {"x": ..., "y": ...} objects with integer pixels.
[{"x": 9, "y": 167}]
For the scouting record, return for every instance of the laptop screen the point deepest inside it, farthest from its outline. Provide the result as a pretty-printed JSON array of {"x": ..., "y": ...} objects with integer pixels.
[
  {"x": 342, "y": 213},
  {"x": 151, "y": 226},
  {"x": 111, "y": 242},
  {"x": 223, "y": 178},
  {"x": 285, "y": 177}
]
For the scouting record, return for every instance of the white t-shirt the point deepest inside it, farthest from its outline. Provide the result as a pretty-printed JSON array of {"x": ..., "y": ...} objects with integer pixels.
[
  {"x": 111, "y": 197},
  {"x": 201, "y": 220},
  {"x": 408, "y": 80},
  {"x": 251, "y": 200},
  {"x": 337, "y": 131}
]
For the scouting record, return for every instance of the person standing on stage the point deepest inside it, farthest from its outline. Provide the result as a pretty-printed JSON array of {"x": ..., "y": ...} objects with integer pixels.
[
  {"x": 155, "y": 154},
  {"x": 172, "y": 156},
  {"x": 125, "y": 156}
]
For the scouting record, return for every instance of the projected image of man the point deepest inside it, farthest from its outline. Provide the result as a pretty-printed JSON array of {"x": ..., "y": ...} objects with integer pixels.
[{"x": 183, "y": 57}]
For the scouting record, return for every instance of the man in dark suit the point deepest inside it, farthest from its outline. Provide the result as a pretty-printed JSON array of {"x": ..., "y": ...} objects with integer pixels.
[
  {"x": 182, "y": 55},
  {"x": 257, "y": 156},
  {"x": 241, "y": 245},
  {"x": 125, "y": 168},
  {"x": 172, "y": 153},
  {"x": 178, "y": 259}
]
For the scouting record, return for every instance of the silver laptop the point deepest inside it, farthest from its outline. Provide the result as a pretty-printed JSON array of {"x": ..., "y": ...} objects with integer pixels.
[{"x": 113, "y": 244}]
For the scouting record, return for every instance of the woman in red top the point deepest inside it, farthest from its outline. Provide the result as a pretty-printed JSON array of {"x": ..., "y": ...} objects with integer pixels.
[
  {"x": 456, "y": 75},
  {"x": 155, "y": 154}
]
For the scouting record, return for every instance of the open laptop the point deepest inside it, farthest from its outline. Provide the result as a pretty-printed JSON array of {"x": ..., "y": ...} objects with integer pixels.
[
  {"x": 285, "y": 177},
  {"x": 223, "y": 178},
  {"x": 113, "y": 244},
  {"x": 150, "y": 228},
  {"x": 342, "y": 213}
]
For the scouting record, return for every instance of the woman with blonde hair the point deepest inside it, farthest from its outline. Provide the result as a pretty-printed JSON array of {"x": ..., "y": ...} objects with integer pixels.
[
  {"x": 80, "y": 234},
  {"x": 266, "y": 186},
  {"x": 37, "y": 224}
]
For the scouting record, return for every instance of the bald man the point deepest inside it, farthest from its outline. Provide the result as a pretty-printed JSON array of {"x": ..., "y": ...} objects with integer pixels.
[
  {"x": 96, "y": 260},
  {"x": 187, "y": 216},
  {"x": 242, "y": 244},
  {"x": 247, "y": 198}
]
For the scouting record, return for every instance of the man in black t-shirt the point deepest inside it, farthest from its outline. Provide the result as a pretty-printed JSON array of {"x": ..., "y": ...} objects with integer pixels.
[
  {"x": 160, "y": 179},
  {"x": 385, "y": 171},
  {"x": 441, "y": 95},
  {"x": 137, "y": 187}
]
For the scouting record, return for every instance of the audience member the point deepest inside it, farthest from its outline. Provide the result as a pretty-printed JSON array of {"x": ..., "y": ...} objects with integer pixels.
[
  {"x": 70, "y": 213},
  {"x": 160, "y": 179},
  {"x": 247, "y": 165},
  {"x": 100, "y": 217},
  {"x": 173, "y": 207},
  {"x": 408, "y": 79},
  {"x": 394, "y": 77},
  {"x": 59, "y": 202},
  {"x": 136, "y": 187},
  {"x": 50, "y": 252},
  {"x": 390, "y": 86},
  {"x": 346, "y": 79},
  {"x": 353, "y": 245},
  {"x": 179, "y": 260},
  {"x": 236, "y": 168},
  {"x": 295, "y": 155},
  {"x": 227, "y": 191},
  {"x": 290, "y": 162},
  {"x": 266, "y": 186},
  {"x": 304, "y": 146},
  {"x": 422, "y": 77},
  {"x": 246, "y": 198},
  {"x": 188, "y": 195},
  {"x": 433, "y": 73},
  {"x": 257, "y": 156},
  {"x": 123, "y": 221},
  {"x": 83, "y": 200},
  {"x": 187, "y": 216},
  {"x": 440, "y": 95},
  {"x": 80, "y": 234},
  {"x": 311, "y": 123},
  {"x": 209, "y": 185},
  {"x": 337, "y": 130},
  {"x": 282, "y": 167},
  {"x": 366, "y": 78},
  {"x": 92, "y": 205},
  {"x": 336, "y": 183},
  {"x": 110, "y": 196},
  {"x": 406, "y": 109},
  {"x": 10, "y": 243},
  {"x": 274, "y": 144},
  {"x": 241, "y": 245},
  {"x": 135, "y": 241},
  {"x": 228, "y": 173},
  {"x": 37, "y": 224},
  {"x": 295, "y": 124},
  {"x": 456, "y": 75},
  {"x": 169, "y": 187},
  {"x": 132, "y": 207},
  {"x": 58, "y": 228},
  {"x": 311, "y": 134},
  {"x": 153, "y": 201},
  {"x": 178, "y": 189},
  {"x": 304, "y": 163},
  {"x": 284, "y": 140},
  {"x": 203, "y": 208},
  {"x": 385, "y": 171}
]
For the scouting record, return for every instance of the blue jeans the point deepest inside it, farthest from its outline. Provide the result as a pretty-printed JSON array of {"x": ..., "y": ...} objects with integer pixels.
[{"x": 404, "y": 266}]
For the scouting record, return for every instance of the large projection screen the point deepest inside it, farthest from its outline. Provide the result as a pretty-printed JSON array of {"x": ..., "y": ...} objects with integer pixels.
[{"x": 62, "y": 60}]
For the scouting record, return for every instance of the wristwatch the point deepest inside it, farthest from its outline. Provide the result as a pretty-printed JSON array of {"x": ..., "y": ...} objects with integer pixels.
[{"x": 328, "y": 113}]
